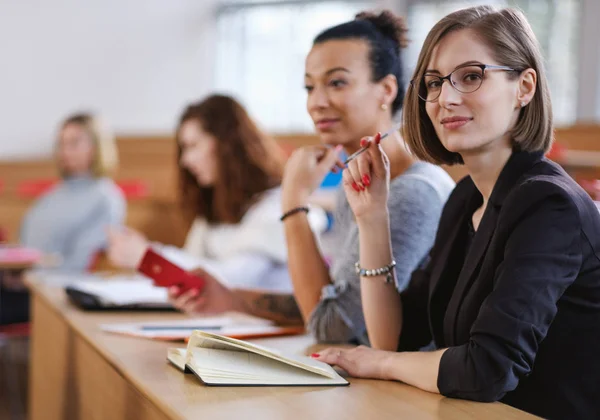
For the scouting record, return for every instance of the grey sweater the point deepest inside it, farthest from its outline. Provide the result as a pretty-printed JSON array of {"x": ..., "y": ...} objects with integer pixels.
[
  {"x": 71, "y": 220},
  {"x": 415, "y": 204}
]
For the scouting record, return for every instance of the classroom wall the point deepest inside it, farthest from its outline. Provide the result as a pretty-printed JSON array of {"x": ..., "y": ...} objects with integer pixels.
[{"x": 136, "y": 61}]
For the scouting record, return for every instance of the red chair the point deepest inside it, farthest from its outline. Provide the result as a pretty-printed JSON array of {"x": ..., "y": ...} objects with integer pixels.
[
  {"x": 133, "y": 189},
  {"x": 20, "y": 330},
  {"x": 35, "y": 188},
  {"x": 556, "y": 152},
  {"x": 591, "y": 186}
]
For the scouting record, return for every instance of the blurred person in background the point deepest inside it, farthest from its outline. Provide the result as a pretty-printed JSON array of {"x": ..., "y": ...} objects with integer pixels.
[
  {"x": 69, "y": 222},
  {"x": 230, "y": 172}
]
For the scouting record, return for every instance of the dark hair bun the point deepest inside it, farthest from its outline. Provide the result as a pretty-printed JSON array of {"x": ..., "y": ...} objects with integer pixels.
[{"x": 389, "y": 24}]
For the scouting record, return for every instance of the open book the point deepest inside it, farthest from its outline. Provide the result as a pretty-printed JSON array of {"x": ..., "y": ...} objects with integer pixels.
[{"x": 222, "y": 361}]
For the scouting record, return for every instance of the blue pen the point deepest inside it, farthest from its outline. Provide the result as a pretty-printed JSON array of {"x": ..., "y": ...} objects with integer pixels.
[{"x": 166, "y": 327}]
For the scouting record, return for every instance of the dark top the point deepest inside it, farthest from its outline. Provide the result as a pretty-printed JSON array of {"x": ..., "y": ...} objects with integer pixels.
[{"x": 520, "y": 313}]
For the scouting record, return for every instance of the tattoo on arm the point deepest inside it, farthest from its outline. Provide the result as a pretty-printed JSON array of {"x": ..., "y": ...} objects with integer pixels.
[{"x": 280, "y": 308}]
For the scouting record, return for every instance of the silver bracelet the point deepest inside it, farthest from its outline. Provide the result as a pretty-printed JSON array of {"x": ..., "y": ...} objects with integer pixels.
[{"x": 387, "y": 270}]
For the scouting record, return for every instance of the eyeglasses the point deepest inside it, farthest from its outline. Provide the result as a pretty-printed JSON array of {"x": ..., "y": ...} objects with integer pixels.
[{"x": 465, "y": 79}]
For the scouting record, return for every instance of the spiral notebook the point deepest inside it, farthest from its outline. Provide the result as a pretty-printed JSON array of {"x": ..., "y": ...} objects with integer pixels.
[{"x": 223, "y": 361}]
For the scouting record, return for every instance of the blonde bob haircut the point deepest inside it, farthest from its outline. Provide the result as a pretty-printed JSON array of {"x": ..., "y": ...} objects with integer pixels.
[
  {"x": 512, "y": 43},
  {"x": 106, "y": 157}
]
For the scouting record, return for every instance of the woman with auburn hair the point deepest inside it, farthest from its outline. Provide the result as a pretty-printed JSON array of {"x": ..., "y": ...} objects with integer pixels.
[
  {"x": 70, "y": 220},
  {"x": 230, "y": 173},
  {"x": 510, "y": 295}
]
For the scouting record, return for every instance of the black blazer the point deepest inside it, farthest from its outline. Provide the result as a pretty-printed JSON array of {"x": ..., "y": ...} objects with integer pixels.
[{"x": 520, "y": 312}]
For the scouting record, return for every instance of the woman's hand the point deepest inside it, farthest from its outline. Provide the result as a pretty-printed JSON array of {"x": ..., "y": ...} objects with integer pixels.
[
  {"x": 214, "y": 298},
  {"x": 366, "y": 180},
  {"x": 126, "y": 247},
  {"x": 359, "y": 362},
  {"x": 304, "y": 172}
]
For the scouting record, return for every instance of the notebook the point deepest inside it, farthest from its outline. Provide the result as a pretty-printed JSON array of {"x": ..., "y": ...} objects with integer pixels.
[
  {"x": 118, "y": 292},
  {"x": 222, "y": 361},
  {"x": 231, "y": 324},
  {"x": 18, "y": 258}
]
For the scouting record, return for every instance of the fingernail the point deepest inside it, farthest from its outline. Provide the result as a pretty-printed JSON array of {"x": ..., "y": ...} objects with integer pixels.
[
  {"x": 361, "y": 187},
  {"x": 377, "y": 138},
  {"x": 363, "y": 142},
  {"x": 366, "y": 180},
  {"x": 355, "y": 186},
  {"x": 315, "y": 355},
  {"x": 338, "y": 147},
  {"x": 334, "y": 170}
]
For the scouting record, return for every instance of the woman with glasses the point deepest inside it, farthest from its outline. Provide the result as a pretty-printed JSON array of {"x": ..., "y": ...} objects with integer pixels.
[{"x": 510, "y": 297}]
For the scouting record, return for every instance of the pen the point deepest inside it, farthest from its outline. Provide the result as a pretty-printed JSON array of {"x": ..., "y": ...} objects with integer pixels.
[
  {"x": 177, "y": 327},
  {"x": 362, "y": 149}
]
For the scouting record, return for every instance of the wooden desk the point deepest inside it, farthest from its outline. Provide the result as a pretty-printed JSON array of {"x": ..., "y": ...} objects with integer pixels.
[{"x": 78, "y": 372}]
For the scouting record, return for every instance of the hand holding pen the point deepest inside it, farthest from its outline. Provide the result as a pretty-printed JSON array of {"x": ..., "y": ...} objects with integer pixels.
[
  {"x": 366, "y": 179},
  {"x": 364, "y": 149}
]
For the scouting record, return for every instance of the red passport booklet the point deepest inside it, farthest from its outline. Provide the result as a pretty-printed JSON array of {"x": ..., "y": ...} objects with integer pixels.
[{"x": 166, "y": 274}]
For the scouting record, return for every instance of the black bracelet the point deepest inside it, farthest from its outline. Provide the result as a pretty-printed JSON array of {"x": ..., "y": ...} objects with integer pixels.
[{"x": 293, "y": 211}]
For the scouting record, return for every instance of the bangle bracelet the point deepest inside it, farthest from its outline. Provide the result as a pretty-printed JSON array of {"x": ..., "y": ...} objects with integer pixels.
[
  {"x": 387, "y": 270},
  {"x": 293, "y": 211}
]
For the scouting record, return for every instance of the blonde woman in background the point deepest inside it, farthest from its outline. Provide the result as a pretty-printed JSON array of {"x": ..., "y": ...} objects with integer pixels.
[{"x": 70, "y": 220}]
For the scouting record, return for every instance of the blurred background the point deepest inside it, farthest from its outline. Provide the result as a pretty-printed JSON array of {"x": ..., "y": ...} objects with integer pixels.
[{"x": 138, "y": 62}]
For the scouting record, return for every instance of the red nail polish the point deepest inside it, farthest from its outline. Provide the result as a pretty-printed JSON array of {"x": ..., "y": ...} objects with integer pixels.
[
  {"x": 355, "y": 186},
  {"x": 361, "y": 187},
  {"x": 366, "y": 180},
  {"x": 363, "y": 142},
  {"x": 377, "y": 138},
  {"x": 314, "y": 355}
]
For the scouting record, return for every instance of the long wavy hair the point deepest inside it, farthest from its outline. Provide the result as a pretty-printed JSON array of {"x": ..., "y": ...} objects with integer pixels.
[{"x": 249, "y": 162}]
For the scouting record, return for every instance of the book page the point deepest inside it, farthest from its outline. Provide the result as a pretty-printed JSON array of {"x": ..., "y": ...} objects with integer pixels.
[
  {"x": 235, "y": 367},
  {"x": 205, "y": 339},
  {"x": 177, "y": 357}
]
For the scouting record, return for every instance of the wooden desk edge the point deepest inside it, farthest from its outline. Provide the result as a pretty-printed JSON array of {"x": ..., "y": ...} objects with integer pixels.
[
  {"x": 36, "y": 287},
  {"x": 32, "y": 283}
]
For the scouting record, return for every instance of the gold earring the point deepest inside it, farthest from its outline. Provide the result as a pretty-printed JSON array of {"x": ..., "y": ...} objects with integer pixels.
[{"x": 384, "y": 107}]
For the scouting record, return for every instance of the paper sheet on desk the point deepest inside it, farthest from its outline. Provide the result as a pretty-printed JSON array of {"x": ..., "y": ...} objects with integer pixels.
[{"x": 231, "y": 325}]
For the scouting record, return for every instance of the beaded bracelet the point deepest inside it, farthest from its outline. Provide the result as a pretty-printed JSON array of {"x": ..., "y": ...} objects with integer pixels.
[
  {"x": 387, "y": 270},
  {"x": 293, "y": 211}
]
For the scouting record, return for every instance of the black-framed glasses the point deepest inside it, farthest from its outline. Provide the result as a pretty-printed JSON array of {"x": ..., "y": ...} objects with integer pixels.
[{"x": 465, "y": 79}]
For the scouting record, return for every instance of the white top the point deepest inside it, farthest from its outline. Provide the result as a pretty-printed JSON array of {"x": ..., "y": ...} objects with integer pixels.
[{"x": 250, "y": 254}]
